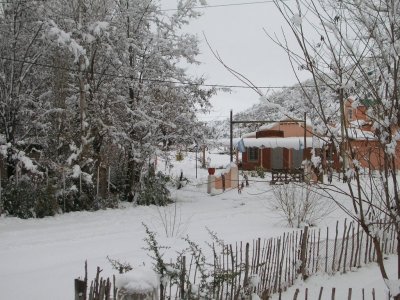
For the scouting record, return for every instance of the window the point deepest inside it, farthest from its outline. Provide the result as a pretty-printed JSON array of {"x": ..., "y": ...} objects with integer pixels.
[
  {"x": 252, "y": 154},
  {"x": 350, "y": 114}
]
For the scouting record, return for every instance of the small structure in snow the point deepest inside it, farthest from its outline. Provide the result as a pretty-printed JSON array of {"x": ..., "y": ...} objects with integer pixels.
[{"x": 138, "y": 284}]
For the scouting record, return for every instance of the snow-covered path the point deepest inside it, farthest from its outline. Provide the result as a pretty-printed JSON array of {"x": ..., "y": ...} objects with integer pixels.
[{"x": 39, "y": 258}]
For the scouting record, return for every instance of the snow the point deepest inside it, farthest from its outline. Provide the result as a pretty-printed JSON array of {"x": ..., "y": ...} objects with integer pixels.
[
  {"x": 394, "y": 286},
  {"x": 141, "y": 280},
  {"x": 99, "y": 27},
  {"x": 40, "y": 258},
  {"x": 288, "y": 142}
]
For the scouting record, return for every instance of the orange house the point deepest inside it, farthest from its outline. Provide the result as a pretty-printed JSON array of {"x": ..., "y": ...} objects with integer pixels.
[
  {"x": 281, "y": 145},
  {"x": 361, "y": 138}
]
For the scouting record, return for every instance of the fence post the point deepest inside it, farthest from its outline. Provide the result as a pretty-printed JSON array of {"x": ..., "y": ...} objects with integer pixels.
[
  {"x": 182, "y": 279},
  {"x": 246, "y": 267},
  {"x": 303, "y": 253},
  {"x": 296, "y": 294},
  {"x": 80, "y": 287}
]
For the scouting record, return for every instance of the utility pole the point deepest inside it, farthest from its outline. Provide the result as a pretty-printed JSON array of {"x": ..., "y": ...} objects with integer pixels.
[
  {"x": 305, "y": 136},
  {"x": 231, "y": 135}
]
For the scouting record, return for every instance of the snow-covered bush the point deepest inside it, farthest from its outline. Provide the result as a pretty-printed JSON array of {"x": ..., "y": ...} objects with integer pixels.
[
  {"x": 46, "y": 203},
  {"x": 28, "y": 200},
  {"x": 299, "y": 204},
  {"x": 18, "y": 199},
  {"x": 154, "y": 189}
]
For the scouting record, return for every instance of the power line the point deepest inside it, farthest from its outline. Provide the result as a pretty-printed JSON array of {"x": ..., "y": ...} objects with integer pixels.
[
  {"x": 226, "y": 5},
  {"x": 158, "y": 10},
  {"x": 232, "y": 86},
  {"x": 172, "y": 9}
]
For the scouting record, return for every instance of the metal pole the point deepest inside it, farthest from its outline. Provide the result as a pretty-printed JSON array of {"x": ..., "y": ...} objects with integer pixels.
[
  {"x": 231, "y": 136},
  {"x": 196, "y": 160},
  {"x": 1, "y": 203},
  {"x": 305, "y": 135}
]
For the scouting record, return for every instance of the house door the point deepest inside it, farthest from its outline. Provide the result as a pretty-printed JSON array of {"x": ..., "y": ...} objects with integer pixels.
[
  {"x": 277, "y": 158},
  {"x": 297, "y": 158}
]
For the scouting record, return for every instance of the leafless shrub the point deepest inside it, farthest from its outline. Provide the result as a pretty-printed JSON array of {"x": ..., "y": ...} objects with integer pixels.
[{"x": 299, "y": 204}]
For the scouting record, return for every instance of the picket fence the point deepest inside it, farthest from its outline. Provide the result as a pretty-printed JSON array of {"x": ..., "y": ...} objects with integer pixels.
[
  {"x": 272, "y": 265},
  {"x": 332, "y": 294}
]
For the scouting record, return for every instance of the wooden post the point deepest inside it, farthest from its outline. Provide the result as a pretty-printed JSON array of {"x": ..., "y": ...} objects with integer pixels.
[
  {"x": 303, "y": 253},
  {"x": 231, "y": 135},
  {"x": 97, "y": 183},
  {"x": 305, "y": 136},
  {"x": 349, "y": 294},
  {"x": 334, "y": 248},
  {"x": 63, "y": 174},
  {"x": 109, "y": 179},
  {"x": 320, "y": 293},
  {"x": 203, "y": 161},
  {"x": 246, "y": 268},
  {"x": 1, "y": 203},
  {"x": 182, "y": 277},
  {"x": 333, "y": 293},
  {"x": 296, "y": 293},
  {"x": 80, "y": 287},
  {"x": 80, "y": 183}
]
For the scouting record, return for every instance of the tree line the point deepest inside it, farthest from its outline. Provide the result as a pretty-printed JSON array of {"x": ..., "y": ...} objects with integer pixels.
[{"x": 90, "y": 92}]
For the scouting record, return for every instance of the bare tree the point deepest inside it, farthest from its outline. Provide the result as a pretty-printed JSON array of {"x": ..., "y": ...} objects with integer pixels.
[{"x": 351, "y": 47}]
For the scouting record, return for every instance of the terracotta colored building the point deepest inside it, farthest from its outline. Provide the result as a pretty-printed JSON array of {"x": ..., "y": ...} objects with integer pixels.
[
  {"x": 361, "y": 138},
  {"x": 281, "y": 145}
]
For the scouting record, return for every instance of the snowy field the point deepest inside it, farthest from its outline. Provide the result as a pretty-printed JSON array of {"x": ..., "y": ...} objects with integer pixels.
[{"x": 39, "y": 258}]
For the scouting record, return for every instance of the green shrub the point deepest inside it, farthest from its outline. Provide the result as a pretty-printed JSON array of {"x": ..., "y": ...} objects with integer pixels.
[
  {"x": 154, "y": 190},
  {"x": 28, "y": 200},
  {"x": 179, "y": 156},
  {"x": 260, "y": 172},
  {"x": 46, "y": 203},
  {"x": 19, "y": 199}
]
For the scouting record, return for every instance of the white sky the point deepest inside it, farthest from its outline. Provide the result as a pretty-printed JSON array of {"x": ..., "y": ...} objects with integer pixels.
[{"x": 236, "y": 32}]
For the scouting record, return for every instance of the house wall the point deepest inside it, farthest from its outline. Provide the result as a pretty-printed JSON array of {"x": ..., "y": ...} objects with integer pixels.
[
  {"x": 359, "y": 113},
  {"x": 281, "y": 129},
  {"x": 267, "y": 158},
  {"x": 371, "y": 156}
]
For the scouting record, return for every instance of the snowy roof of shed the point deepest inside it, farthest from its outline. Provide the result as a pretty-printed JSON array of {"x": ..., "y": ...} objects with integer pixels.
[
  {"x": 272, "y": 125},
  {"x": 288, "y": 142}
]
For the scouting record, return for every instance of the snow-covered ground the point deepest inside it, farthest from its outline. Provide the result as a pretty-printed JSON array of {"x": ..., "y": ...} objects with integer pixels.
[{"x": 39, "y": 258}]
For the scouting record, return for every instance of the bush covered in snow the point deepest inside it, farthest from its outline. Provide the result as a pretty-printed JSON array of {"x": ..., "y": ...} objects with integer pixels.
[
  {"x": 154, "y": 189},
  {"x": 24, "y": 199}
]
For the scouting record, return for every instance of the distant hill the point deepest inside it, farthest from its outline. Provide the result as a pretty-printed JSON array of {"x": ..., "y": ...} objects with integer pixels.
[{"x": 290, "y": 102}]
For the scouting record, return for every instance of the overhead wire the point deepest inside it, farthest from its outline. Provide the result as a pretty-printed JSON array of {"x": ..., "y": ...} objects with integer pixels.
[
  {"x": 161, "y": 9},
  {"x": 174, "y": 9},
  {"x": 166, "y": 81}
]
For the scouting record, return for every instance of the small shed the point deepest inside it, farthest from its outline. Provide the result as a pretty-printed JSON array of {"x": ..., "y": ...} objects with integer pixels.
[{"x": 280, "y": 145}]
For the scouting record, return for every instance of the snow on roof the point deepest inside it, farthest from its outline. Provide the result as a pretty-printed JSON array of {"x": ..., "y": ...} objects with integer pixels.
[
  {"x": 250, "y": 135},
  {"x": 272, "y": 125},
  {"x": 268, "y": 126},
  {"x": 288, "y": 142},
  {"x": 358, "y": 134},
  {"x": 358, "y": 123}
]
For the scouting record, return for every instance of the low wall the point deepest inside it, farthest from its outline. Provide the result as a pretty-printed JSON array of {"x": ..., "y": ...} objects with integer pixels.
[{"x": 228, "y": 179}]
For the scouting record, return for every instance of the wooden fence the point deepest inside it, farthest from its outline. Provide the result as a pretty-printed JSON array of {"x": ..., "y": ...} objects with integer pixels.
[
  {"x": 332, "y": 294},
  {"x": 271, "y": 266}
]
